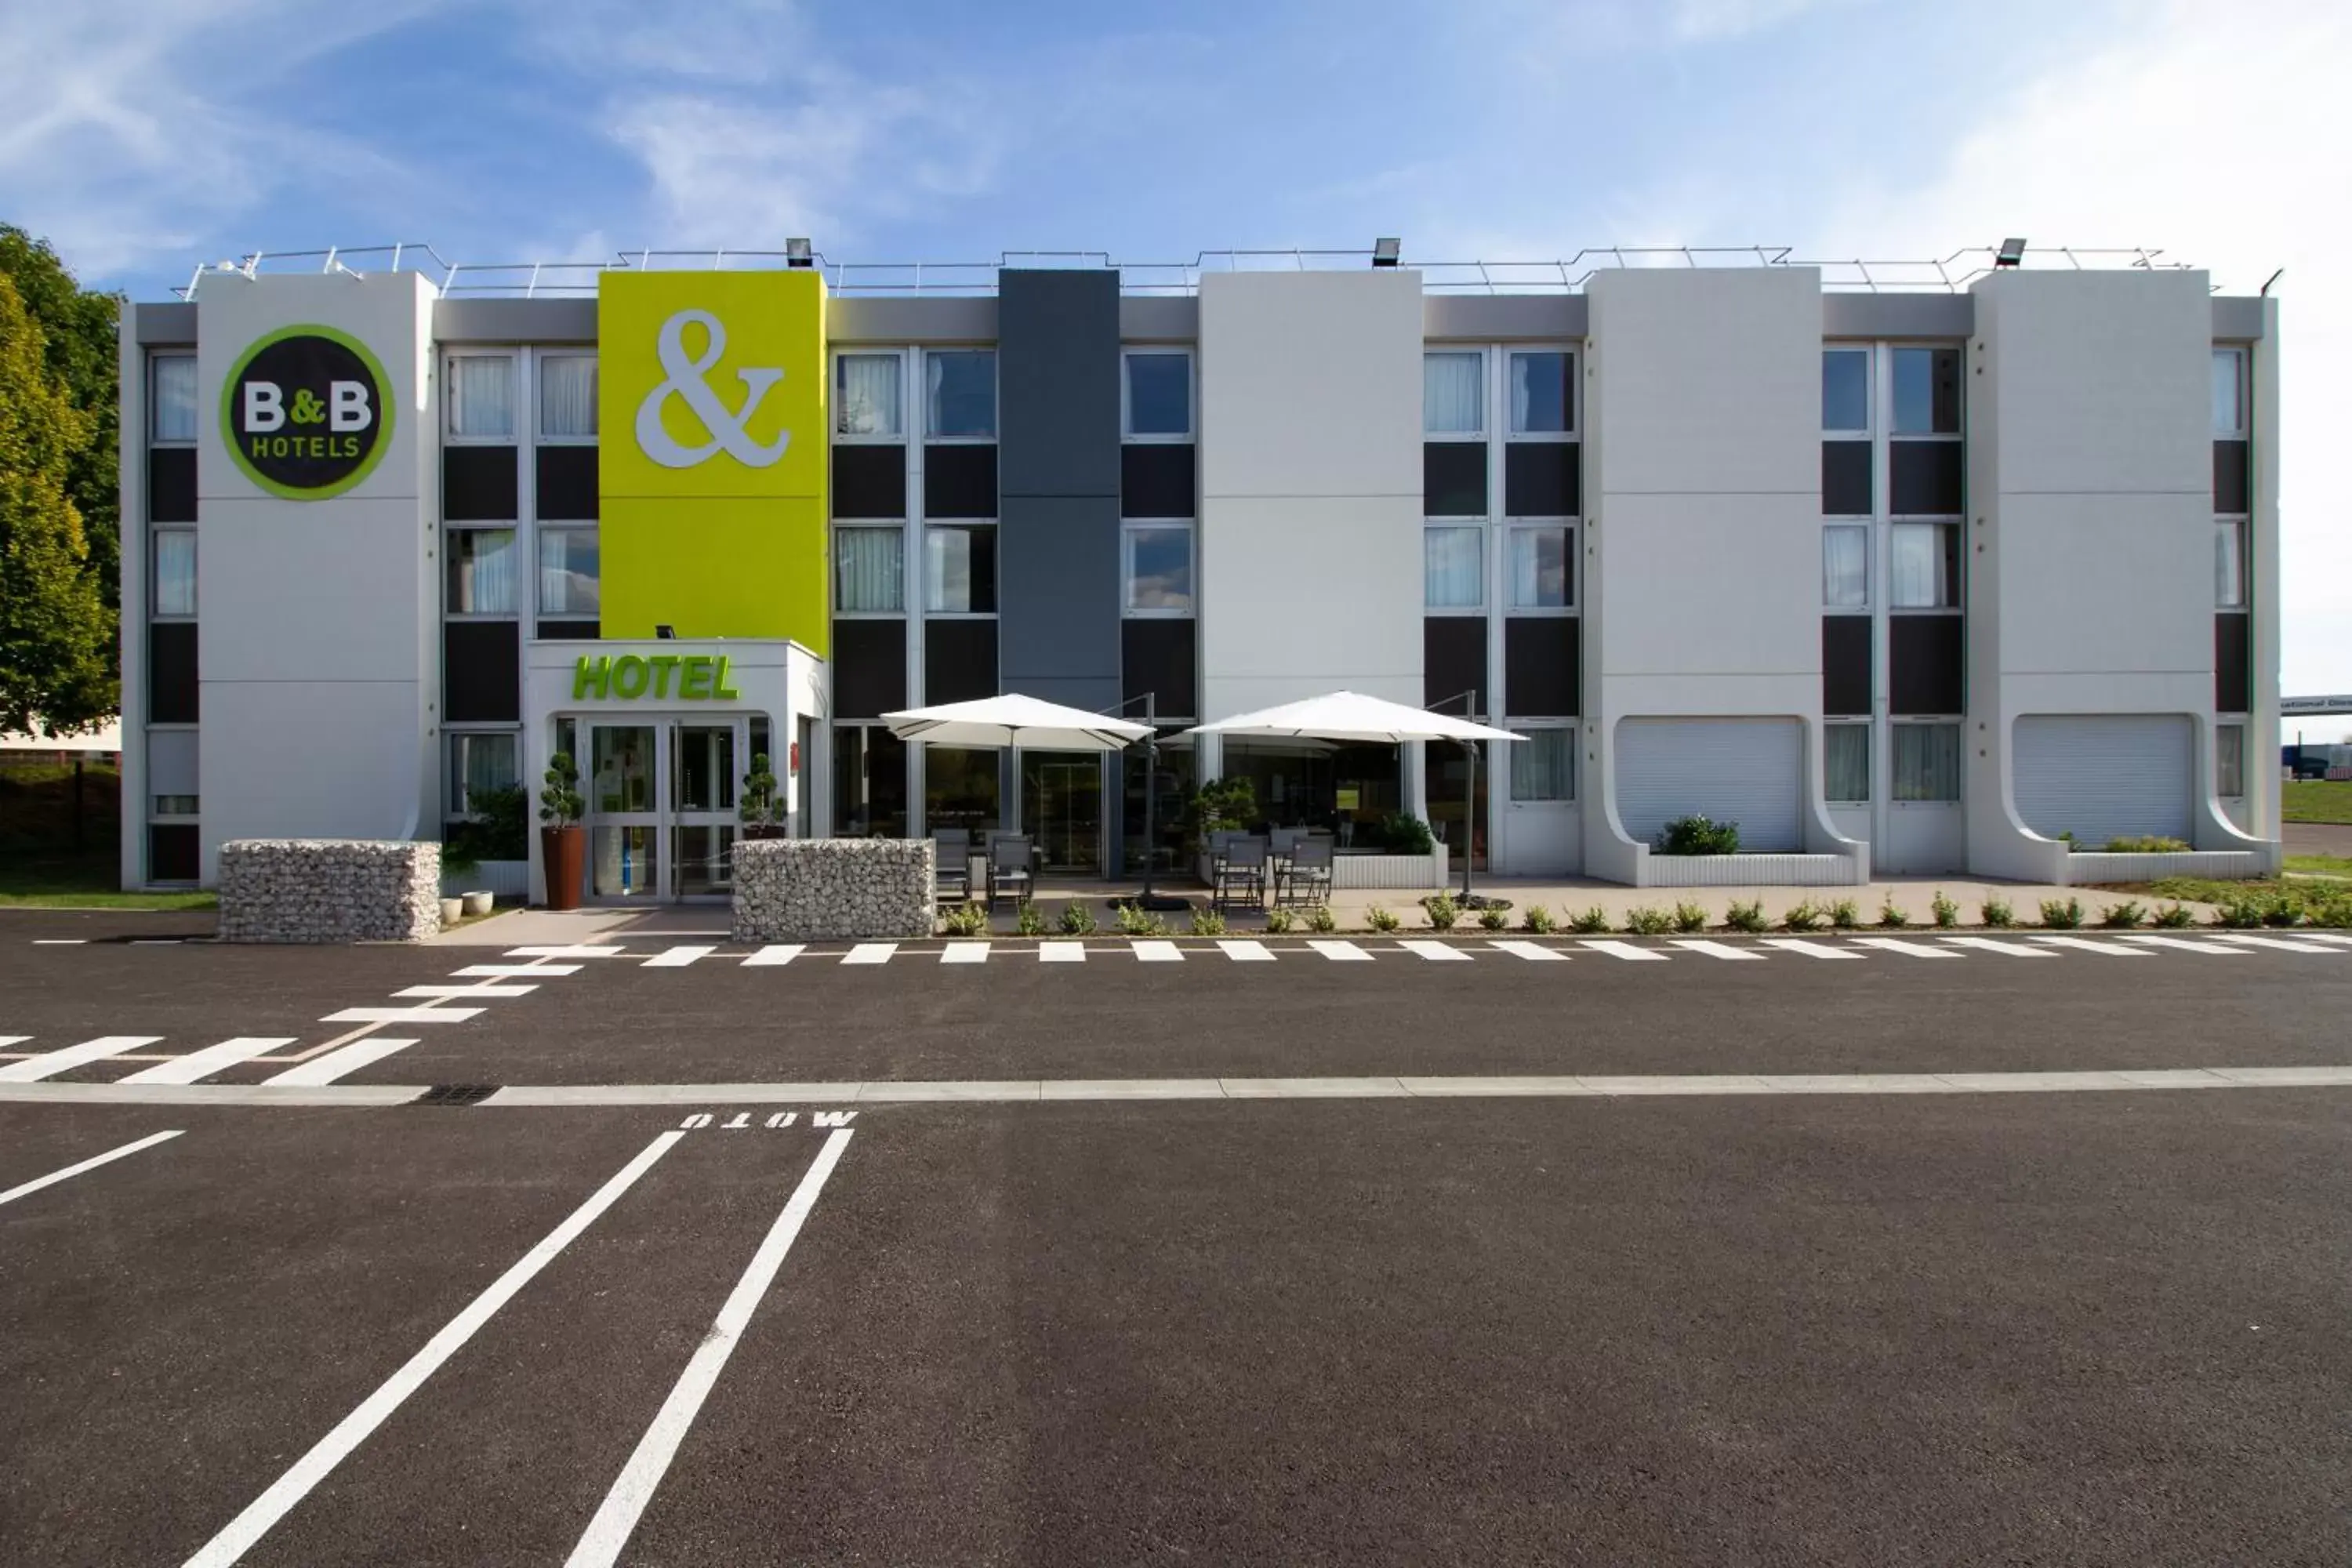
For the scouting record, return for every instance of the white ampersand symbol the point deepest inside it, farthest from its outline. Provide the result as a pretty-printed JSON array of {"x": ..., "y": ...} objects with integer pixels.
[{"x": 726, "y": 428}]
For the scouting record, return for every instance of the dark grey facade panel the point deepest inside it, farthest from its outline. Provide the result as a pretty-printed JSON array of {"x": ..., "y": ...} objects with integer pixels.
[
  {"x": 1453, "y": 662},
  {"x": 174, "y": 852},
  {"x": 1898, "y": 315},
  {"x": 869, "y": 668},
  {"x": 1057, "y": 430},
  {"x": 1925, "y": 658},
  {"x": 1846, "y": 478},
  {"x": 567, "y": 484},
  {"x": 1057, "y": 598},
  {"x": 169, "y": 325},
  {"x": 481, "y": 672},
  {"x": 478, "y": 484},
  {"x": 1160, "y": 657},
  {"x": 1504, "y": 318},
  {"x": 2233, "y": 481},
  {"x": 171, "y": 484},
  {"x": 2234, "y": 664},
  {"x": 1453, "y": 479},
  {"x": 1543, "y": 479},
  {"x": 960, "y": 481},
  {"x": 1159, "y": 478},
  {"x": 1926, "y": 477},
  {"x": 1159, "y": 318},
  {"x": 870, "y": 482},
  {"x": 570, "y": 631},
  {"x": 515, "y": 320},
  {"x": 936, "y": 320},
  {"x": 1846, "y": 665},
  {"x": 959, "y": 660},
  {"x": 1542, "y": 665},
  {"x": 172, "y": 672}
]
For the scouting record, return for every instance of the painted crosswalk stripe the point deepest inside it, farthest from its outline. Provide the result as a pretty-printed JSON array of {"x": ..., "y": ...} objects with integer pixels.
[
  {"x": 1243, "y": 950},
  {"x": 1715, "y": 948},
  {"x": 1627, "y": 950},
  {"x": 1440, "y": 952},
  {"x": 1061, "y": 953},
  {"x": 2280, "y": 943},
  {"x": 1908, "y": 948},
  {"x": 1158, "y": 951},
  {"x": 211, "y": 1060},
  {"x": 93, "y": 1163},
  {"x": 488, "y": 993},
  {"x": 32, "y": 1070},
  {"x": 335, "y": 1063},
  {"x": 1986, "y": 945},
  {"x": 2328, "y": 936},
  {"x": 964, "y": 952},
  {"x": 8, "y": 1040},
  {"x": 2084, "y": 944},
  {"x": 569, "y": 950},
  {"x": 512, "y": 971},
  {"x": 1535, "y": 951},
  {"x": 2213, "y": 950},
  {"x": 62, "y": 942},
  {"x": 426, "y": 1014},
  {"x": 870, "y": 952},
  {"x": 1341, "y": 951},
  {"x": 1810, "y": 949},
  {"x": 775, "y": 953},
  {"x": 680, "y": 956}
]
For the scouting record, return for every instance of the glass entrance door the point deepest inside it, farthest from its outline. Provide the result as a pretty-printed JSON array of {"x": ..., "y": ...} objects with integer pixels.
[
  {"x": 624, "y": 812},
  {"x": 702, "y": 821},
  {"x": 1061, "y": 807}
]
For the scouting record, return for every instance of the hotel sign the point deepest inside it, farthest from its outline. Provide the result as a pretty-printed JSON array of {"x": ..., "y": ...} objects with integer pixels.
[
  {"x": 305, "y": 413},
  {"x": 663, "y": 677}
]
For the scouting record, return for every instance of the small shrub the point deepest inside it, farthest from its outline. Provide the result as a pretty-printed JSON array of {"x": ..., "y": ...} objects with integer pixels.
[
  {"x": 1321, "y": 920},
  {"x": 1947, "y": 913},
  {"x": 1699, "y": 836},
  {"x": 1592, "y": 922},
  {"x": 1136, "y": 921},
  {"x": 964, "y": 919},
  {"x": 1494, "y": 920},
  {"x": 1647, "y": 921},
  {"x": 1027, "y": 920},
  {"x": 2125, "y": 916},
  {"x": 2335, "y": 912},
  {"x": 1748, "y": 916},
  {"x": 2240, "y": 909},
  {"x": 2172, "y": 917},
  {"x": 1278, "y": 920},
  {"x": 1997, "y": 912},
  {"x": 1538, "y": 920},
  {"x": 1689, "y": 916},
  {"x": 1206, "y": 922},
  {"x": 2282, "y": 912},
  {"x": 2067, "y": 838},
  {"x": 1076, "y": 919},
  {"x": 1401, "y": 833},
  {"x": 1806, "y": 916},
  {"x": 1380, "y": 919},
  {"x": 1889, "y": 915},
  {"x": 1845, "y": 914},
  {"x": 2067, "y": 915},
  {"x": 2156, "y": 846},
  {"x": 1442, "y": 910}
]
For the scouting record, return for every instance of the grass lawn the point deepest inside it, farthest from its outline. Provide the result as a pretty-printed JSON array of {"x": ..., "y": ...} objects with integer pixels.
[
  {"x": 87, "y": 881},
  {"x": 2316, "y": 800},
  {"x": 2321, "y": 865}
]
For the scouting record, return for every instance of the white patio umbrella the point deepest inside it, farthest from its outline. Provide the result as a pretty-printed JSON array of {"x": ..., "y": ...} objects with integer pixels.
[{"x": 1027, "y": 723}]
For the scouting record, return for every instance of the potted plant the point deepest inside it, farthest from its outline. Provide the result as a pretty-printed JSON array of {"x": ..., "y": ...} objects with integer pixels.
[
  {"x": 762, "y": 807},
  {"x": 562, "y": 843}
]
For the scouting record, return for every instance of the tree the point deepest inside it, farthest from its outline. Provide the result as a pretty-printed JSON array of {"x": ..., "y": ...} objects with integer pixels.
[
  {"x": 56, "y": 632},
  {"x": 82, "y": 351}
]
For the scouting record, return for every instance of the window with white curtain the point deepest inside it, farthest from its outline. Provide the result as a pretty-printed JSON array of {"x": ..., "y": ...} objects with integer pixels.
[
  {"x": 482, "y": 571},
  {"x": 1541, "y": 576},
  {"x": 482, "y": 398},
  {"x": 480, "y": 760},
  {"x": 1543, "y": 766},
  {"x": 960, "y": 569},
  {"x": 175, "y": 573},
  {"x": 567, "y": 397},
  {"x": 867, "y": 400},
  {"x": 2230, "y": 564},
  {"x": 171, "y": 416},
  {"x": 1155, "y": 568},
  {"x": 1452, "y": 393},
  {"x": 1924, "y": 565},
  {"x": 1543, "y": 393},
  {"x": 1926, "y": 762},
  {"x": 1845, "y": 763},
  {"x": 2230, "y": 761},
  {"x": 1845, "y": 566},
  {"x": 569, "y": 573},
  {"x": 2229, "y": 394},
  {"x": 869, "y": 571},
  {"x": 1159, "y": 394},
  {"x": 1455, "y": 560},
  {"x": 960, "y": 392}
]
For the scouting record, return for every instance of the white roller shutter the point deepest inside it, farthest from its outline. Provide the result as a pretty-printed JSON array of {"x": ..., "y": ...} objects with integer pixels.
[
  {"x": 1747, "y": 771},
  {"x": 2103, "y": 776}
]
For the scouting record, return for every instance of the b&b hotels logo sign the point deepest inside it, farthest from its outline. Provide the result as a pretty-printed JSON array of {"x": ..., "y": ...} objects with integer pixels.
[{"x": 306, "y": 413}]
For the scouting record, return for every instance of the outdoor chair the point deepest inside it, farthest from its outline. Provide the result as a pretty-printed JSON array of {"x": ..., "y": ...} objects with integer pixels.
[
  {"x": 1009, "y": 875},
  {"x": 1241, "y": 873},
  {"x": 1307, "y": 879},
  {"x": 952, "y": 863}
]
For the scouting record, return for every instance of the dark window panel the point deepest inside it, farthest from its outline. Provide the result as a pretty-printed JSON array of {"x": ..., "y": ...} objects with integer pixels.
[
  {"x": 959, "y": 660},
  {"x": 869, "y": 668},
  {"x": 960, "y": 481},
  {"x": 1925, "y": 664},
  {"x": 1158, "y": 479},
  {"x": 478, "y": 484},
  {"x": 1452, "y": 479},
  {"x": 171, "y": 484},
  {"x": 172, "y": 672},
  {"x": 1159, "y": 657},
  {"x": 567, "y": 484},
  {"x": 1846, "y": 478},
  {"x": 481, "y": 672},
  {"x": 569, "y": 631},
  {"x": 870, "y": 482},
  {"x": 1453, "y": 662},
  {"x": 1540, "y": 667},
  {"x": 1926, "y": 476},
  {"x": 2232, "y": 485},
  {"x": 1542, "y": 478},
  {"x": 2233, "y": 667},
  {"x": 1845, "y": 665},
  {"x": 174, "y": 852}
]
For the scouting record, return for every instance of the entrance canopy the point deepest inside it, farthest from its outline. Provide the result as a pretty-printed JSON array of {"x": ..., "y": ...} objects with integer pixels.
[
  {"x": 1024, "y": 724},
  {"x": 1352, "y": 716}
]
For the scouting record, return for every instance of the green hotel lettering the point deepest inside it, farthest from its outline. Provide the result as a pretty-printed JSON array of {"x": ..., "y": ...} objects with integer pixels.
[{"x": 700, "y": 678}]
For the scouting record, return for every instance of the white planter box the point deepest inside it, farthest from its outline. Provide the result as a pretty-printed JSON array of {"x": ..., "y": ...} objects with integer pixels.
[
  {"x": 1426, "y": 872},
  {"x": 2101, "y": 866},
  {"x": 1749, "y": 871}
]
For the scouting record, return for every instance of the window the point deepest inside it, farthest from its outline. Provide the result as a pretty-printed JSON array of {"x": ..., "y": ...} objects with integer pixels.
[
  {"x": 866, "y": 403},
  {"x": 481, "y": 396},
  {"x": 1926, "y": 762},
  {"x": 960, "y": 569},
  {"x": 484, "y": 762},
  {"x": 1845, "y": 763},
  {"x": 961, "y": 389},
  {"x": 1454, "y": 560},
  {"x": 1541, "y": 573},
  {"x": 175, "y": 805},
  {"x": 2229, "y": 394},
  {"x": 869, "y": 571},
  {"x": 1155, "y": 568},
  {"x": 1543, "y": 766},
  {"x": 1452, "y": 393},
  {"x": 2230, "y": 564},
  {"x": 567, "y": 397},
  {"x": 1543, "y": 393},
  {"x": 482, "y": 572},
  {"x": 568, "y": 571},
  {"x": 1845, "y": 392},
  {"x": 1159, "y": 396},
  {"x": 172, "y": 417},
  {"x": 1923, "y": 568},
  {"x": 175, "y": 573},
  {"x": 1927, "y": 391},
  {"x": 2229, "y": 760},
  {"x": 1845, "y": 566}
]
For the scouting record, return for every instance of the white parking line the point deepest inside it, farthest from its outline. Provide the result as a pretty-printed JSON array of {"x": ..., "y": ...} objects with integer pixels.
[
  {"x": 1627, "y": 950},
  {"x": 1341, "y": 951},
  {"x": 601, "y": 1542},
  {"x": 575, "y": 950},
  {"x": 247, "y": 1528},
  {"x": 60, "y": 942},
  {"x": 509, "y": 971},
  {"x": 964, "y": 952},
  {"x": 49, "y": 1064},
  {"x": 2085, "y": 944},
  {"x": 1986, "y": 943},
  {"x": 1157, "y": 951},
  {"x": 2212, "y": 949},
  {"x": 1061, "y": 953},
  {"x": 870, "y": 952},
  {"x": 774, "y": 954},
  {"x": 1440, "y": 952},
  {"x": 427, "y": 1015},
  {"x": 210, "y": 1060},
  {"x": 1716, "y": 949},
  {"x": 1810, "y": 949},
  {"x": 93, "y": 1162},
  {"x": 1908, "y": 948},
  {"x": 1535, "y": 951},
  {"x": 679, "y": 957},
  {"x": 2281, "y": 944},
  {"x": 488, "y": 993},
  {"x": 335, "y": 1063},
  {"x": 1241, "y": 951}
]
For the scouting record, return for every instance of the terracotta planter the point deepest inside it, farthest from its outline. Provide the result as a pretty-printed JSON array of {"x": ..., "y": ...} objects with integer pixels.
[
  {"x": 766, "y": 830},
  {"x": 563, "y": 855}
]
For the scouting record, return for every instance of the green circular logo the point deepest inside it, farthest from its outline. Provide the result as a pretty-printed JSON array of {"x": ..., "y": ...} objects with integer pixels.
[{"x": 307, "y": 412}]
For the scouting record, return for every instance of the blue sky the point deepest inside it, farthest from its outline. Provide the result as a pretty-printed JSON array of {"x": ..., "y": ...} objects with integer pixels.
[{"x": 157, "y": 134}]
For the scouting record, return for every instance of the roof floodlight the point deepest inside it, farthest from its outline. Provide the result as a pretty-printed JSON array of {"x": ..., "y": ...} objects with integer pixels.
[
  {"x": 1385, "y": 252},
  {"x": 2011, "y": 254},
  {"x": 798, "y": 252}
]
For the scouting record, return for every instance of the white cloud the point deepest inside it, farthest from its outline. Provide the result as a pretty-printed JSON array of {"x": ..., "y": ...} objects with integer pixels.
[{"x": 1714, "y": 21}]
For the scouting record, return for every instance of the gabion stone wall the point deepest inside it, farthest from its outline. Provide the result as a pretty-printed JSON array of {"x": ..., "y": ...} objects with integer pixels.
[
  {"x": 328, "y": 889},
  {"x": 816, "y": 890}
]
